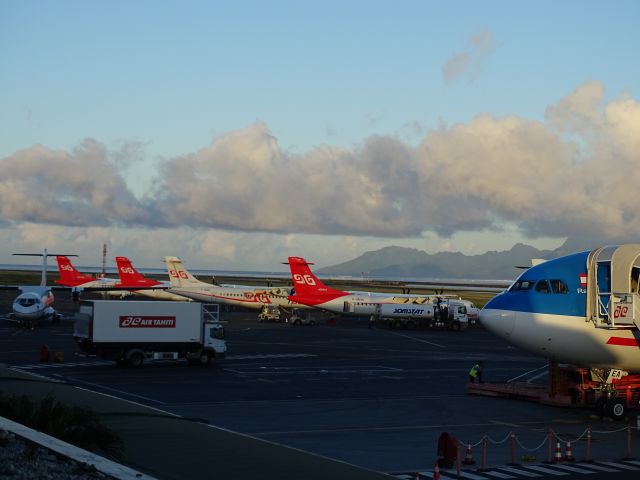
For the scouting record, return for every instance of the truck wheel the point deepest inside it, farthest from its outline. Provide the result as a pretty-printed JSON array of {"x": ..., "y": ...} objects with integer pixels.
[
  {"x": 397, "y": 324},
  {"x": 616, "y": 409},
  {"x": 136, "y": 359},
  {"x": 411, "y": 325},
  {"x": 204, "y": 358},
  {"x": 455, "y": 326}
]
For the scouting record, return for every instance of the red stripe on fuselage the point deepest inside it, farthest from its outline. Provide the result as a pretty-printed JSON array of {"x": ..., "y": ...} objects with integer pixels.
[{"x": 623, "y": 342}]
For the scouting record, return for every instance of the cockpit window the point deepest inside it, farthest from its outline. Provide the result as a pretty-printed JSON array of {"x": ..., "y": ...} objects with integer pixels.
[
  {"x": 27, "y": 302},
  {"x": 558, "y": 286},
  {"x": 542, "y": 286},
  {"x": 521, "y": 285}
]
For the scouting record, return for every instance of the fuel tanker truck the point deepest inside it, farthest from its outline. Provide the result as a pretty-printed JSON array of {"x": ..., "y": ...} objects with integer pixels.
[{"x": 446, "y": 314}]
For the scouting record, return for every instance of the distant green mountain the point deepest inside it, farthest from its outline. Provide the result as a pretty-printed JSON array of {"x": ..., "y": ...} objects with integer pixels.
[{"x": 411, "y": 262}]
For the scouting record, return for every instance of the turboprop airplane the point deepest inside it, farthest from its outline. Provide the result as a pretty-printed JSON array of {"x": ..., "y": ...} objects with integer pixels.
[
  {"x": 311, "y": 291},
  {"x": 138, "y": 284},
  {"x": 71, "y": 277},
  {"x": 184, "y": 283},
  {"x": 582, "y": 309}
]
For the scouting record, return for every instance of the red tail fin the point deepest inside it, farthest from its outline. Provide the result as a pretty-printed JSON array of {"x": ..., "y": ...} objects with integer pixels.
[
  {"x": 69, "y": 275},
  {"x": 305, "y": 282},
  {"x": 129, "y": 276}
]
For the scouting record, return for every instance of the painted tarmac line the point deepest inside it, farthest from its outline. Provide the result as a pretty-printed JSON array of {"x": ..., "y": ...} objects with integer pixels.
[
  {"x": 418, "y": 339},
  {"x": 471, "y": 476},
  {"x": 546, "y": 471},
  {"x": 624, "y": 466},
  {"x": 571, "y": 468},
  {"x": 600, "y": 468},
  {"x": 493, "y": 473},
  {"x": 517, "y": 471},
  {"x": 121, "y": 393}
]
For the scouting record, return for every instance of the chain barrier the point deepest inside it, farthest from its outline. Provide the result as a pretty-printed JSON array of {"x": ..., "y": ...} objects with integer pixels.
[
  {"x": 462, "y": 444},
  {"x": 491, "y": 440},
  {"x": 511, "y": 435},
  {"x": 531, "y": 449},
  {"x": 575, "y": 440}
]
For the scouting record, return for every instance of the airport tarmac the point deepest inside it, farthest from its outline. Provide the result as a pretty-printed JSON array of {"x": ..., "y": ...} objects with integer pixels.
[{"x": 373, "y": 398}]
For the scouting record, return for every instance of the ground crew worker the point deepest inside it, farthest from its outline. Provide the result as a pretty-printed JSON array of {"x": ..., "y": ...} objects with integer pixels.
[{"x": 476, "y": 372}]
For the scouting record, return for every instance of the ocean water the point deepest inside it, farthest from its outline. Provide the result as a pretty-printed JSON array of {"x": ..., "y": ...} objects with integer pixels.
[{"x": 112, "y": 271}]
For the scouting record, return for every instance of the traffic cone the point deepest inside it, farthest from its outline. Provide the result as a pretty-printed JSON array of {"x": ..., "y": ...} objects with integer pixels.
[
  {"x": 557, "y": 458},
  {"x": 568, "y": 453},
  {"x": 436, "y": 472},
  {"x": 468, "y": 456}
]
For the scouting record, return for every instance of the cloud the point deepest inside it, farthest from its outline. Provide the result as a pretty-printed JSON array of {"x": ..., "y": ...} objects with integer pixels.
[
  {"x": 456, "y": 66},
  {"x": 469, "y": 63},
  {"x": 570, "y": 175},
  {"x": 80, "y": 187}
]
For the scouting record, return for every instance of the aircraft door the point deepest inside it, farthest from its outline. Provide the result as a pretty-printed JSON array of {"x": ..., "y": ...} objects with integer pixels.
[{"x": 603, "y": 279}]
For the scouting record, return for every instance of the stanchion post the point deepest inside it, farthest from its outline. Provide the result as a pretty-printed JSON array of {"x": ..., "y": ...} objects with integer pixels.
[
  {"x": 483, "y": 467},
  {"x": 513, "y": 450},
  {"x": 549, "y": 446},
  {"x": 458, "y": 459},
  {"x": 587, "y": 454}
]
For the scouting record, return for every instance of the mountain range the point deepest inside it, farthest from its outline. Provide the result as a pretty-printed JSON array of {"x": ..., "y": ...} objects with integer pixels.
[{"x": 396, "y": 261}]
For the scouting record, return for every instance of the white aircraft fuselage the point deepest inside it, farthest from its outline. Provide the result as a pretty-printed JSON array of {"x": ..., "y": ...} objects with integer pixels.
[{"x": 545, "y": 312}]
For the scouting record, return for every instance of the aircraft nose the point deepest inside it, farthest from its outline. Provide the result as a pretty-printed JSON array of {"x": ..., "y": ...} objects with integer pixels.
[{"x": 501, "y": 322}]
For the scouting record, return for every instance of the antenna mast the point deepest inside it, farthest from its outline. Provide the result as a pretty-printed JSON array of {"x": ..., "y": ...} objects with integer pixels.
[{"x": 104, "y": 259}]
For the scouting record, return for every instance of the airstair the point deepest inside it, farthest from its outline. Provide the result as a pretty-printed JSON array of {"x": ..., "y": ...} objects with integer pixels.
[{"x": 613, "y": 300}]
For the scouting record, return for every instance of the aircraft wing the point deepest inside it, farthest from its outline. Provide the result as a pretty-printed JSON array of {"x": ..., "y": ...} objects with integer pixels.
[{"x": 469, "y": 285}]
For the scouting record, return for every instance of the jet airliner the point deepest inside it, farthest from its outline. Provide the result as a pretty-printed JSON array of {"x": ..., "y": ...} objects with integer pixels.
[
  {"x": 582, "y": 309},
  {"x": 184, "y": 283},
  {"x": 35, "y": 302}
]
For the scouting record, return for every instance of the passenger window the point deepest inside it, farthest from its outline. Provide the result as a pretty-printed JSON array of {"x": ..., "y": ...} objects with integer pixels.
[
  {"x": 558, "y": 286},
  {"x": 542, "y": 286},
  {"x": 521, "y": 285}
]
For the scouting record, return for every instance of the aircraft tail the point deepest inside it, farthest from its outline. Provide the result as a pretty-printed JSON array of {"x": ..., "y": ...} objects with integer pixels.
[
  {"x": 179, "y": 276},
  {"x": 69, "y": 275},
  {"x": 129, "y": 276},
  {"x": 305, "y": 282}
]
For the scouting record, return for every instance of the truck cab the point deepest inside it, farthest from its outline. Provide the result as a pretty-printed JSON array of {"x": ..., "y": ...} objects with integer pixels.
[{"x": 214, "y": 338}]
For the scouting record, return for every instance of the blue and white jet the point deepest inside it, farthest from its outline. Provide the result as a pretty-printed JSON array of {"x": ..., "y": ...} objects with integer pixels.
[{"x": 582, "y": 309}]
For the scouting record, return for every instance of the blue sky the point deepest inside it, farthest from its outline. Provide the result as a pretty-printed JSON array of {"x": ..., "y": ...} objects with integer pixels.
[{"x": 156, "y": 81}]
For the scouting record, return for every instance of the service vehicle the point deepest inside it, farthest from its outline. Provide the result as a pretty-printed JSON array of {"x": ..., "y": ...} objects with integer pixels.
[
  {"x": 269, "y": 313},
  {"x": 131, "y": 332},
  {"x": 449, "y": 314},
  {"x": 301, "y": 317}
]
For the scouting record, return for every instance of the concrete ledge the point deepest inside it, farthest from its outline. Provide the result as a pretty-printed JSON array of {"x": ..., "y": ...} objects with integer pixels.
[{"x": 106, "y": 466}]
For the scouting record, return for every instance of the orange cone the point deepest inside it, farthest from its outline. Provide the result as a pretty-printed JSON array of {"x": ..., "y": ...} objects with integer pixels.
[
  {"x": 558, "y": 456},
  {"x": 568, "y": 453},
  {"x": 436, "y": 472},
  {"x": 468, "y": 456}
]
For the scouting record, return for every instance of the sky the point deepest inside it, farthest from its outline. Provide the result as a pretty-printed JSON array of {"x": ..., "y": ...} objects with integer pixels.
[{"x": 235, "y": 134}]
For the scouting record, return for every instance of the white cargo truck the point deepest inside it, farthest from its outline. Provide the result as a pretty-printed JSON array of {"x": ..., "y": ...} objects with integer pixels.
[
  {"x": 450, "y": 314},
  {"x": 131, "y": 332}
]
